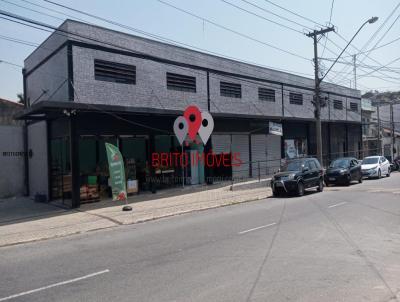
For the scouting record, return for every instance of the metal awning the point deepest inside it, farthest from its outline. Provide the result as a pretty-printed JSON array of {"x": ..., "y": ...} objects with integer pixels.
[{"x": 45, "y": 110}]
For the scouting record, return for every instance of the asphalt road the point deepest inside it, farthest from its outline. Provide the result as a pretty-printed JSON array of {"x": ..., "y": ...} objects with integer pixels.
[{"x": 339, "y": 245}]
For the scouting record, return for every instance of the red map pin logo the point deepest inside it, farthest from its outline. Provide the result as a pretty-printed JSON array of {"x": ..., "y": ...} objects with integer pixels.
[{"x": 193, "y": 116}]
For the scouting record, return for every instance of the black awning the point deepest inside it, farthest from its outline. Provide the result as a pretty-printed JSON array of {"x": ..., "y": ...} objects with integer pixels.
[{"x": 52, "y": 109}]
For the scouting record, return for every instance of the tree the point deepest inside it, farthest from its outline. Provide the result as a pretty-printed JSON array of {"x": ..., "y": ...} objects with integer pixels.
[{"x": 21, "y": 98}]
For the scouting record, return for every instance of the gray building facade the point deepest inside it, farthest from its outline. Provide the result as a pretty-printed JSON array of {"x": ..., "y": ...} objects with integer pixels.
[{"x": 86, "y": 85}]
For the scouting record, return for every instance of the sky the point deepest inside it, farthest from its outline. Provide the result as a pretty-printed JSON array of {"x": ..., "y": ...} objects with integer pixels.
[{"x": 249, "y": 43}]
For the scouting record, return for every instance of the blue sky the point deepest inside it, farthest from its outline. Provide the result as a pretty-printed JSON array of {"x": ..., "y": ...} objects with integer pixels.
[{"x": 157, "y": 18}]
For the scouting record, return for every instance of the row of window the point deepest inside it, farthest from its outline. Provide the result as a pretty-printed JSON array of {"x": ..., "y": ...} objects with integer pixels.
[
  {"x": 126, "y": 74},
  {"x": 338, "y": 104}
]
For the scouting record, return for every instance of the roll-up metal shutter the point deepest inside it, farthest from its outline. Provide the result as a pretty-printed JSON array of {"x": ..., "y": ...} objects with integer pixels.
[
  {"x": 273, "y": 153},
  {"x": 338, "y": 140},
  {"x": 259, "y": 154},
  {"x": 240, "y": 145},
  {"x": 221, "y": 143}
]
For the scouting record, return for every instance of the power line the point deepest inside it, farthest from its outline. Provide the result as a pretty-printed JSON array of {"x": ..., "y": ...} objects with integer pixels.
[
  {"x": 317, "y": 23},
  {"x": 375, "y": 48},
  {"x": 233, "y": 31},
  {"x": 366, "y": 54},
  {"x": 330, "y": 19},
  {"x": 261, "y": 17},
  {"x": 24, "y": 42},
  {"x": 20, "y": 6},
  {"x": 294, "y": 13},
  {"x": 157, "y": 37},
  {"x": 61, "y": 31},
  {"x": 274, "y": 14},
  {"x": 391, "y": 62},
  {"x": 66, "y": 33},
  {"x": 11, "y": 63}
]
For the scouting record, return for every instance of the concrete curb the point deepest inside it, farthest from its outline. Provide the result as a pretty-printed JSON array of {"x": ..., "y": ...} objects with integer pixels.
[{"x": 108, "y": 222}]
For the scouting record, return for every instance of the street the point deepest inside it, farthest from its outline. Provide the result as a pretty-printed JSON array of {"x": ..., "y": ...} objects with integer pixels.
[{"x": 339, "y": 245}]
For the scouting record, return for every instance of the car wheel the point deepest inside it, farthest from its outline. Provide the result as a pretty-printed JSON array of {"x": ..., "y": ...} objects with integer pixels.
[
  {"x": 379, "y": 173},
  {"x": 348, "y": 180},
  {"x": 300, "y": 189},
  {"x": 275, "y": 193},
  {"x": 320, "y": 187},
  {"x": 388, "y": 173}
]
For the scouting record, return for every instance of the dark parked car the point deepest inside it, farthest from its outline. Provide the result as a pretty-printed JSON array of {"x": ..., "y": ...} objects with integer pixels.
[
  {"x": 298, "y": 175},
  {"x": 343, "y": 171}
]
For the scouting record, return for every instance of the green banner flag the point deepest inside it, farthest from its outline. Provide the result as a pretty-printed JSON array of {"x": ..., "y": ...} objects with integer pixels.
[{"x": 117, "y": 172}]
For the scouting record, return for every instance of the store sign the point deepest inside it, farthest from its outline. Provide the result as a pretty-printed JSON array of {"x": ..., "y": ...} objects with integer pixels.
[
  {"x": 117, "y": 172},
  {"x": 186, "y": 127},
  {"x": 275, "y": 128},
  {"x": 295, "y": 148},
  {"x": 194, "y": 122}
]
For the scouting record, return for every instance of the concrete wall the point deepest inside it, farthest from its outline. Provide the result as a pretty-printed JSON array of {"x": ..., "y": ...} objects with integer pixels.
[
  {"x": 51, "y": 76},
  {"x": 38, "y": 166},
  {"x": 11, "y": 161},
  {"x": 7, "y": 111}
]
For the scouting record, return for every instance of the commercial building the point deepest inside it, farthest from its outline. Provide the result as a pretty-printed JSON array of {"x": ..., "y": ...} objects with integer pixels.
[{"x": 87, "y": 85}]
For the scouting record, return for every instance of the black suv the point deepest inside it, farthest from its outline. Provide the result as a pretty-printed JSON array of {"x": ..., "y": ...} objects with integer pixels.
[
  {"x": 298, "y": 175},
  {"x": 343, "y": 171}
]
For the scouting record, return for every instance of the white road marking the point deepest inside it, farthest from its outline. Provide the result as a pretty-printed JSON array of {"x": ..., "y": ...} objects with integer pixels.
[
  {"x": 53, "y": 285},
  {"x": 257, "y": 228},
  {"x": 338, "y": 204}
]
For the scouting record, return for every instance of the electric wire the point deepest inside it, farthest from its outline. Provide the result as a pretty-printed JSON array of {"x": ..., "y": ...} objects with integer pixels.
[{"x": 159, "y": 37}]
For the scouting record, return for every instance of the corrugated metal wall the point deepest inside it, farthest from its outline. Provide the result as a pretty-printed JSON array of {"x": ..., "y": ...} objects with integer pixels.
[{"x": 240, "y": 144}]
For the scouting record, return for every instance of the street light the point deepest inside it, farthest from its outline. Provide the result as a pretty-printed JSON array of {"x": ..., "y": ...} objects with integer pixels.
[
  {"x": 370, "y": 21},
  {"x": 318, "y": 80}
]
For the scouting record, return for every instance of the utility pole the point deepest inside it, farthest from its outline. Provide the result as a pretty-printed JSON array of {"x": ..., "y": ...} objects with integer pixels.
[
  {"x": 314, "y": 34},
  {"x": 392, "y": 132},
  {"x": 378, "y": 142},
  {"x": 355, "y": 71},
  {"x": 317, "y": 100}
]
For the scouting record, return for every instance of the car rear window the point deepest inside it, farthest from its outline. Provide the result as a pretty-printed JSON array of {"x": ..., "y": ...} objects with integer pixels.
[
  {"x": 370, "y": 160},
  {"x": 296, "y": 165},
  {"x": 339, "y": 163}
]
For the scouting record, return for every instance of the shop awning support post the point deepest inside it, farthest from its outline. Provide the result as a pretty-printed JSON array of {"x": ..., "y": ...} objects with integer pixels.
[{"x": 183, "y": 170}]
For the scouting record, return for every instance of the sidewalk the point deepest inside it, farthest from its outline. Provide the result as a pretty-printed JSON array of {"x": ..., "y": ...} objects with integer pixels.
[{"x": 22, "y": 220}]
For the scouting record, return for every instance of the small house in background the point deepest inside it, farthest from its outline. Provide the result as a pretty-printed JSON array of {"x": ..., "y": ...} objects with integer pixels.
[{"x": 8, "y": 109}]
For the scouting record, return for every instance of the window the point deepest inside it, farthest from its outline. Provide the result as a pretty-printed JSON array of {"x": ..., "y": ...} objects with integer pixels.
[
  {"x": 265, "y": 94},
  {"x": 316, "y": 162},
  {"x": 181, "y": 82},
  {"x": 354, "y": 107},
  {"x": 231, "y": 90},
  {"x": 114, "y": 72},
  {"x": 312, "y": 165},
  {"x": 337, "y": 104},
  {"x": 296, "y": 98}
]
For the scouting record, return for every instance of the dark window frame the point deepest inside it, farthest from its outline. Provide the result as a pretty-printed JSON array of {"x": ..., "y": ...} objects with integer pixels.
[
  {"x": 338, "y": 104},
  {"x": 296, "y": 98},
  {"x": 114, "y": 72},
  {"x": 230, "y": 90},
  {"x": 266, "y": 94},
  {"x": 353, "y": 107},
  {"x": 181, "y": 82}
]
